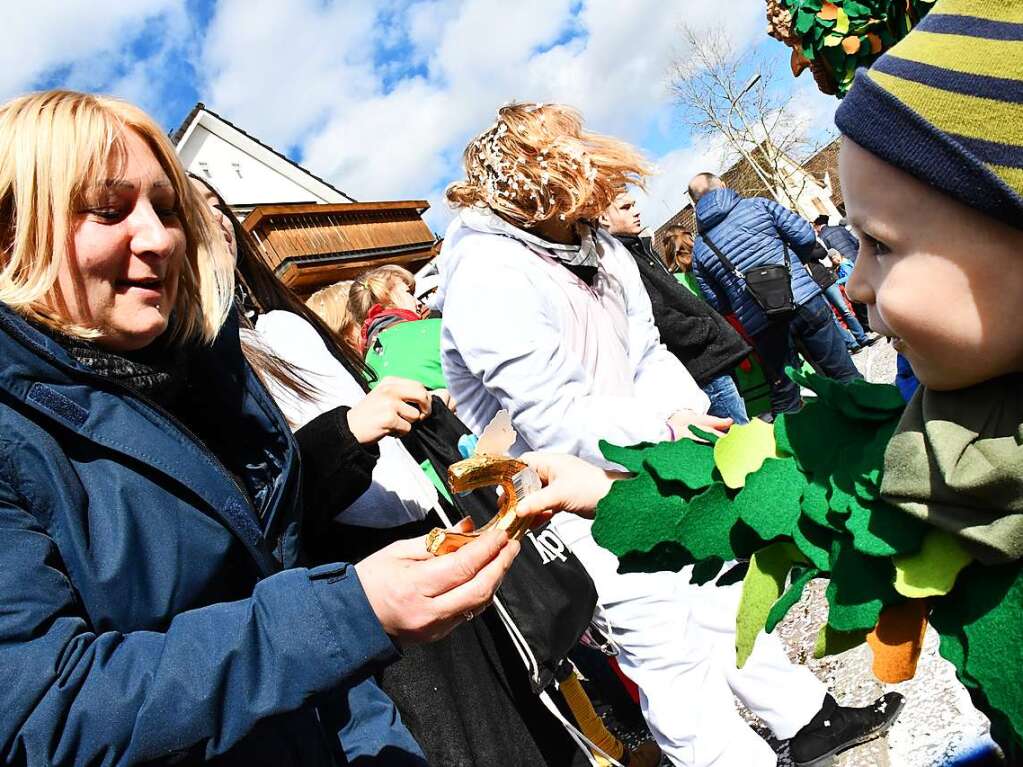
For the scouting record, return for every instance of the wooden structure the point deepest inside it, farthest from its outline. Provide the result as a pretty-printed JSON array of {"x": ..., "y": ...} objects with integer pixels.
[{"x": 309, "y": 246}]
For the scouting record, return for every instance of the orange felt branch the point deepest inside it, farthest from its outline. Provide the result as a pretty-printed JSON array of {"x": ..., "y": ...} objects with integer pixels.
[{"x": 897, "y": 640}]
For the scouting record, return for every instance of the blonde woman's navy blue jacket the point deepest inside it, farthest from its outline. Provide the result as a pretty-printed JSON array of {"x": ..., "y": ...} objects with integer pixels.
[{"x": 148, "y": 612}]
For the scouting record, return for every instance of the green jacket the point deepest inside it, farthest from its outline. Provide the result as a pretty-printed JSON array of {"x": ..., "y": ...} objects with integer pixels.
[{"x": 408, "y": 350}]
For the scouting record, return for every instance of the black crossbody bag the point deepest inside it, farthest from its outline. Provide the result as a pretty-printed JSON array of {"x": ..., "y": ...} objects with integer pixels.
[{"x": 770, "y": 286}]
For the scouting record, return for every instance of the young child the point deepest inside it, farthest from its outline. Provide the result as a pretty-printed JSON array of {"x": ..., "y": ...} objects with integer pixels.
[
  {"x": 398, "y": 337},
  {"x": 932, "y": 170}
]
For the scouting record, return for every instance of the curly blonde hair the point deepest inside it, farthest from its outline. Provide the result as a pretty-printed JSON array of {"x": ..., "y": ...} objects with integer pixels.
[
  {"x": 54, "y": 145},
  {"x": 536, "y": 162}
]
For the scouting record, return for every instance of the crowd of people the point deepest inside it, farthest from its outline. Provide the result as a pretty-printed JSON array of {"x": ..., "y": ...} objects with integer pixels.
[{"x": 215, "y": 495}]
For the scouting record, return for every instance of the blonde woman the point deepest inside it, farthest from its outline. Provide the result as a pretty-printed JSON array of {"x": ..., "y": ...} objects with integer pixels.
[
  {"x": 331, "y": 305},
  {"x": 151, "y": 609},
  {"x": 545, "y": 316}
]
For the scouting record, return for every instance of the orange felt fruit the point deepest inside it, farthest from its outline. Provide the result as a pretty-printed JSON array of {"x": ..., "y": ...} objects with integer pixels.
[
  {"x": 875, "y": 43},
  {"x": 828, "y": 12},
  {"x": 851, "y": 44},
  {"x": 897, "y": 640}
]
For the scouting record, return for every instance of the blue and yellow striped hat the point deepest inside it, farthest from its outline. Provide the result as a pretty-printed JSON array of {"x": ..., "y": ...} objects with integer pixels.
[{"x": 946, "y": 104}]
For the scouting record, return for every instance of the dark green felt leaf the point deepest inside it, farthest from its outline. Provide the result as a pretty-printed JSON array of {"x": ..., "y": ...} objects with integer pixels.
[
  {"x": 706, "y": 526},
  {"x": 987, "y": 602},
  {"x": 706, "y": 571},
  {"x": 635, "y": 517},
  {"x": 788, "y": 600},
  {"x": 859, "y": 589},
  {"x": 685, "y": 461},
  {"x": 815, "y": 505},
  {"x": 770, "y": 501},
  {"x": 664, "y": 557},
  {"x": 631, "y": 458},
  {"x": 814, "y": 541},
  {"x": 882, "y": 531}
]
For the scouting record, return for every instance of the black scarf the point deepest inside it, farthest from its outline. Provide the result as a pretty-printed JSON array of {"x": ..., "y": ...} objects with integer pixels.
[{"x": 158, "y": 372}]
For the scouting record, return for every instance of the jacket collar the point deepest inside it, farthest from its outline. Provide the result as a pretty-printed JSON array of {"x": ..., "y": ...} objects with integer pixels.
[
  {"x": 42, "y": 376},
  {"x": 714, "y": 207}
]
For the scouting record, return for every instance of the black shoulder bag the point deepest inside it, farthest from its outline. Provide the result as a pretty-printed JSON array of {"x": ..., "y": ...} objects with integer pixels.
[{"x": 770, "y": 286}]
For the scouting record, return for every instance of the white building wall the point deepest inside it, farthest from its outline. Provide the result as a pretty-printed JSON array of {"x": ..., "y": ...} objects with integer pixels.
[{"x": 238, "y": 176}]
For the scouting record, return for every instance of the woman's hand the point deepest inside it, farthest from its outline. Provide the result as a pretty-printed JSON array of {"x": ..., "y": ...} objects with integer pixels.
[
  {"x": 445, "y": 396},
  {"x": 419, "y": 597},
  {"x": 681, "y": 420},
  {"x": 570, "y": 484},
  {"x": 389, "y": 410}
]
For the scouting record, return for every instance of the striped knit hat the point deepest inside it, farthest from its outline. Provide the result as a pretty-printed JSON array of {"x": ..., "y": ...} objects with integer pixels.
[{"x": 946, "y": 105}]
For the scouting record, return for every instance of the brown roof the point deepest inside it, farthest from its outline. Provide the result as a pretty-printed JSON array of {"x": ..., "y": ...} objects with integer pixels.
[
  {"x": 175, "y": 137},
  {"x": 825, "y": 162}
]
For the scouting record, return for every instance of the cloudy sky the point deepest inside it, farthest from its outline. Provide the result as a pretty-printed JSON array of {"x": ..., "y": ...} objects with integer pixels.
[{"x": 381, "y": 96}]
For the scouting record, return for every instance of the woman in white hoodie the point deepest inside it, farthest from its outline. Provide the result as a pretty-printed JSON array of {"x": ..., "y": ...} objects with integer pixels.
[{"x": 546, "y": 316}]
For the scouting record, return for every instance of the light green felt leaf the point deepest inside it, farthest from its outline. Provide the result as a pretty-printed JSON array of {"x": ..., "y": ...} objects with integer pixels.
[
  {"x": 831, "y": 641},
  {"x": 842, "y": 22},
  {"x": 932, "y": 571},
  {"x": 832, "y": 40},
  {"x": 788, "y": 600},
  {"x": 743, "y": 450},
  {"x": 761, "y": 588},
  {"x": 770, "y": 501}
]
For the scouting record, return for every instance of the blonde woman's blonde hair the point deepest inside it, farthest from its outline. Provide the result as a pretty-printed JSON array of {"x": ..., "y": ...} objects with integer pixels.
[
  {"x": 374, "y": 287},
  {"x": 330, "y": 304},
  {"x": 536, "y": 162},
  {"x": 54, "y": 146}
]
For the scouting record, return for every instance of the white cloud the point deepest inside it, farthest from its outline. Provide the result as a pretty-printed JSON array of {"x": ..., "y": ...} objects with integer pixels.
[
  {"x": 42, "y": 37},
  {"x": 279, "y": 69}
]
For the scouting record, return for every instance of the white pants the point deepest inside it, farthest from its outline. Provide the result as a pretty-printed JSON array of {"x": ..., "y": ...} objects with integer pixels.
[{"x": 676, "y": 641}]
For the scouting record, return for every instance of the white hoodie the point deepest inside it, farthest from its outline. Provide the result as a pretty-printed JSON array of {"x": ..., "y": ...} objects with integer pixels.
[{"x": 571, "y": 364}]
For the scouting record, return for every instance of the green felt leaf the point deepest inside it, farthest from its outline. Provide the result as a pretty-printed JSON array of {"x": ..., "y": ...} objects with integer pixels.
[
  {"x": 664, "y": 557},
  {"x": 880, "y": 530},
  {"x": 743, "y": 450},
  {"x": 932, "y": 571},
  {"x": 858, "y": 400},
  {"x": 814, "y": 541},
  {"x": 987, "y": 602},
  {"x": 815, "y": 505},
  {"x": 685, "y": 461},
  {"x": 761, "y": 588},
  {"x": 832, "y": 40},
  {"x": 788, "y": 600},
  {"x": 770, "y": 501},
  {"x": 635, "y": 517},
  {"x": 701, "y": 434},
  {"x": 630, "y": 458},
  {"x": 706, "y": 526},
  {"x": 706, "y": 571},
  {"x": 830, "y": 641},
  {"x": 804, "y": 21},
  {"x": 859, "y": 589}
]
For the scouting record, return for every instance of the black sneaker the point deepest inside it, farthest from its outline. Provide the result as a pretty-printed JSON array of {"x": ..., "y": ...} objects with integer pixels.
[
  {"x": 872, "y": 338},
  {"x": 837, "y": 728}
]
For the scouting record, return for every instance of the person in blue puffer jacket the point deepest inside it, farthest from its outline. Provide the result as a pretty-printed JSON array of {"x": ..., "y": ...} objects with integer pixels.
[
  {"x": 755, "y": 232},
  {"x": 153, "y": 604}
]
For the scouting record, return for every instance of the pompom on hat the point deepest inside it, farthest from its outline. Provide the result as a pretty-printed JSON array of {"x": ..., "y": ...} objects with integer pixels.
[{"x": 946, "y": 105}]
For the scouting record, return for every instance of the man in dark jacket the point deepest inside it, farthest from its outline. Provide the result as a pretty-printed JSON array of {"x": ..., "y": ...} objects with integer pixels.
[
  {"x": 757, "y": 232},
  {"x": 841, "y": 239},
  {"x": 837, "y": 237},
  {"x": 700, "y": 337}
]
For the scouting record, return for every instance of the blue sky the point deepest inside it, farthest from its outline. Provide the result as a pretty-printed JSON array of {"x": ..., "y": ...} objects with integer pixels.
[{"x": 381, "y": 97}]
